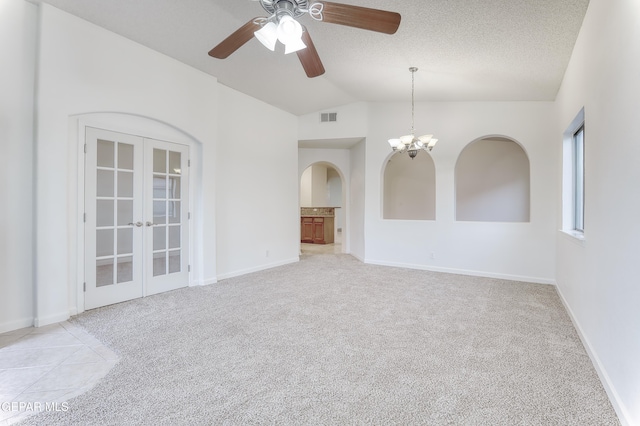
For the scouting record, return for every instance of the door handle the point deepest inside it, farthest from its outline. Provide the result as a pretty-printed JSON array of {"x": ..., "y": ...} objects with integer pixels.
[
  {"x": 138, "y": 224},
  {"x": 150, "y": 223}
]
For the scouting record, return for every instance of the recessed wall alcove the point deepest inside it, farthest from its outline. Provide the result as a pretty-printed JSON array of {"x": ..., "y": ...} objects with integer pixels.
[
  {"x": 492, "y": 181},
  {"x": 409, "y": 188}
]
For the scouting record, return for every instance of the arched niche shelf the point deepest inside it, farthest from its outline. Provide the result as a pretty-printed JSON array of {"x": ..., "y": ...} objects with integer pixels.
[
  {"x": 409, "y": 188},
  {"x": 492, "y": 181}
]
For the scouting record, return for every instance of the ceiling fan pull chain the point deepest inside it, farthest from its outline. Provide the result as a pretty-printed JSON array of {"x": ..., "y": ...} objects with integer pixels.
[{"x": 315, "y": 11}]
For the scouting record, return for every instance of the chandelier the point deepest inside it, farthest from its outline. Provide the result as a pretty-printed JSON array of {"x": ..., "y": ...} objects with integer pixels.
[{"x": 411, "y": 143}]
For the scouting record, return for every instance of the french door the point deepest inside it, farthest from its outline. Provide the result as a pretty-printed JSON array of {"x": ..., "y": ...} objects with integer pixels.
[{"x": 136, "y": 217}]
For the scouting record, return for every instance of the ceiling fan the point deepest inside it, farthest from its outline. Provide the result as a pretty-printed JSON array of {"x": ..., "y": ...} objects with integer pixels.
[{"x": 282, "y": 26}]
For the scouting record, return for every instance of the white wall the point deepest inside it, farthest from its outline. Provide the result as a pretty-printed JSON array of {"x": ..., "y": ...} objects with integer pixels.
[
  {"x": 18, "y": 23},
  {"x": 334, "y": 184},
  {"x": 598, "y": 278},
  {"x": 258, "y": 217},
  {"x": 85, "y": 69},
  {"x": 319, "y": 186},
  {"x": 352, "y": 122},
  {"x": 522, "y": 251},
  {"x": 305, "y": 188},
  {"x": 357, "y": 204}
]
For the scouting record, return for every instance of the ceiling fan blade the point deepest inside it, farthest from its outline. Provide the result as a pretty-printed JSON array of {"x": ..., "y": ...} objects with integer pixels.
[
  {"x": 360, "y": 17},
  {"x": 309, "y": 57},
  {"x": 235, "y": 41}
]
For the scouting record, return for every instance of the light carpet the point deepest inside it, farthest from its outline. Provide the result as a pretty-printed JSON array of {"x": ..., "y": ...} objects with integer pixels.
[{"x": 330, "y": 340}]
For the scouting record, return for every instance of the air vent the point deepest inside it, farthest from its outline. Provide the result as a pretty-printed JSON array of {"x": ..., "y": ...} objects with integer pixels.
[{"x": 327, "y": 117}]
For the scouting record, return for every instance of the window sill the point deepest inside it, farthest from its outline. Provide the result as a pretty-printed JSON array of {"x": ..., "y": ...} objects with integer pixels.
[{"x": 575, "y": 237}]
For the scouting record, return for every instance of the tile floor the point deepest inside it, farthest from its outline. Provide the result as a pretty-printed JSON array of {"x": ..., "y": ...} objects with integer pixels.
[
  {"x": 334, "y": 248},
  {"x": 42, "y": 368}
]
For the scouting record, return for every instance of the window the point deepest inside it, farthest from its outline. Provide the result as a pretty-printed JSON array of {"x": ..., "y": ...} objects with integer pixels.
[
  {"x": 573, "y": 181},
  {"x": 578, "y": 179}
]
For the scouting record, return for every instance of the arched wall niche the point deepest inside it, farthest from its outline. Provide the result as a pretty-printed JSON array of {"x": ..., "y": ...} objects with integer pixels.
[
  {"x": 409, "y": 187},
  {"x": 492, "y": 181}
]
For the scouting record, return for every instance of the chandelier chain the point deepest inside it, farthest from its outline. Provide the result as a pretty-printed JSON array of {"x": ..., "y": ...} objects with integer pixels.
[
  {"x": 413, "y": 74},
  {"x": 411, "y": 143}
]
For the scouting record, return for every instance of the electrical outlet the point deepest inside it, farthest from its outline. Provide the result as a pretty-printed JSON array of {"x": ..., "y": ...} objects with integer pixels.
[
  {"x": 432, "y": 255},
  {"x": 266, "y": 253}
]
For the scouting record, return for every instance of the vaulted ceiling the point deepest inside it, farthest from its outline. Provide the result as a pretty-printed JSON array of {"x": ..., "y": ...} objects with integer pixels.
[{"x": 466, "y": 50}]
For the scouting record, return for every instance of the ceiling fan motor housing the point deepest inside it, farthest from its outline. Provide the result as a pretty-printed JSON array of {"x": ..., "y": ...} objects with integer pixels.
[{"x": 293, "y": 8}]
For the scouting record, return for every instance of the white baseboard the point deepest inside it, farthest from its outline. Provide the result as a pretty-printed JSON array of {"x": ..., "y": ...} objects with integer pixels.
[
  {"x": 509, "y": 277},
  {"x": 199, "y": 283},
  {"x": 51, "y": 319},
  {"x": 209, "y": 281},
  {"x": 16, "y": 325},
  {"x": 618, "y": 405},
  {"x": 257, "y": 268}
]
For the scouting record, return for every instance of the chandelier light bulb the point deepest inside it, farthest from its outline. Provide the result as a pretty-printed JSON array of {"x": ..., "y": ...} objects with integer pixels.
[
  {"x": 394, "y": 143},
  {"x": 267, "y": 35},
  {"x": 289, "y": 30}
]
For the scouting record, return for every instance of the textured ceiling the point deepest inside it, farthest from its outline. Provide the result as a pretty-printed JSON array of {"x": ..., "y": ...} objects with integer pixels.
[{"x": 466, "y": 50}]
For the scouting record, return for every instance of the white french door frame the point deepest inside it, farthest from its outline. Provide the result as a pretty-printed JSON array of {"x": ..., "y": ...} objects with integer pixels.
[
  {"x": 150, "y": 129},
  {"x": 117, "y": 186}
]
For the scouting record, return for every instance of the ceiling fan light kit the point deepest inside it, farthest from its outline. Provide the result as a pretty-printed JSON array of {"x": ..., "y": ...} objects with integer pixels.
[
  {"x": 410, "y": 142},
  {"x": 290, "y": 34},
  {"x": 282, "y": 26},
  {"x": 268, "y": 35}
]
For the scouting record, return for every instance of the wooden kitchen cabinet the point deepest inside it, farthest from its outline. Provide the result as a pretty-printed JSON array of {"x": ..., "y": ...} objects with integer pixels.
[
  {"x": 316, "y": 230},
  {"x": 306, "y": 230}
]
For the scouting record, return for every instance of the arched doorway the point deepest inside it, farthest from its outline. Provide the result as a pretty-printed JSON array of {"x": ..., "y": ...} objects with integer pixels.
[{"x": 322, "y": 209}]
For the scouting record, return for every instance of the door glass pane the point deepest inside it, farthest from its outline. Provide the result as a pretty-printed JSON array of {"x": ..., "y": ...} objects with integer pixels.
[
  {"x": 104, "y": 183},
  {"x": 159, "y": 264},
  {"x": 104, "y": 213},
  {"x": 104, "y": 242},
  {"x": 125, "y": 241},
  {"x": 174, "y": 261},
  {"x": 174, "y": 163},
  {"x": 174, "y": 212},
  {"x": 125, "y": 269},
  {"x": 125, "y": 156},
  {"x": 105, "y": 154},
  {"x": 174, "y": 187},
  {"x": 174, "y": 237},
  {"x": 159, "y": 186},
  {"x": 159, "y": 211},
  {"x": 104, "y": 272},
  {"x": 125, "y": 184},
  {"x": 125, "y": 212},
  {"x": 159, "y": 161},
  {"x": 159, "y": 237}
]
